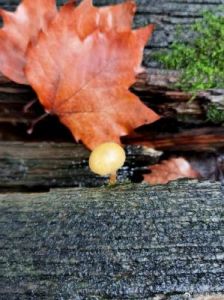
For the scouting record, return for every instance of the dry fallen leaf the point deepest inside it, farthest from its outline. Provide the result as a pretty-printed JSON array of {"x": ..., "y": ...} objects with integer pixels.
[
  {"x": 82, "y": 69},
  {"x": 21, "y": 28},
  {"x": 169, "y": 170}
]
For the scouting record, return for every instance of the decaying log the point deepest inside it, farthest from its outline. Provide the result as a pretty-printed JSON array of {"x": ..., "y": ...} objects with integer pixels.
[
  {"x": 127, "y": 242},
  {"x": 199, "y": 140},
  {"x": 39, "y": 166}
]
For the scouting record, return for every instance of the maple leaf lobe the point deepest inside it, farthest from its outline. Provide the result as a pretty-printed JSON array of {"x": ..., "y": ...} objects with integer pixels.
[{"x": 21, "y": 28}]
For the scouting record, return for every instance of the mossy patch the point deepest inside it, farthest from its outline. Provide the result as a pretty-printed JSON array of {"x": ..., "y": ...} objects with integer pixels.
[
  {"x": 201, "y": 60},
  {"x": 215, "y": 114}
]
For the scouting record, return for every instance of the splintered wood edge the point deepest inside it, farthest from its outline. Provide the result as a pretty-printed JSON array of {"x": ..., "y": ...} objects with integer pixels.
[{"x": 156, "y": 78}]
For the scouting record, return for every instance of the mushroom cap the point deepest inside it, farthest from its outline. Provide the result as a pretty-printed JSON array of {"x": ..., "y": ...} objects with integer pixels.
[{"x": 107, "y": 158}]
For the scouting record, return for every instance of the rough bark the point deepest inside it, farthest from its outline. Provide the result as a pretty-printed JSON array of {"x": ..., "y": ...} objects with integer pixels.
[{"x": 126, "y": 242}]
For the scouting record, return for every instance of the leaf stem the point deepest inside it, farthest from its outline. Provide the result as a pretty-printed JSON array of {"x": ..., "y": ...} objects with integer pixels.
[
  {"x": 34, "y": 122},
  {"x": 29, "y": 105}
]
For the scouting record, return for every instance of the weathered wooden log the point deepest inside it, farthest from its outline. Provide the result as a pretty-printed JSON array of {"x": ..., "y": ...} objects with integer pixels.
[
  {"x": 199, "y": 140},
  {"x": 127, "y": 242},
  {"x": 39, "y": 166}
]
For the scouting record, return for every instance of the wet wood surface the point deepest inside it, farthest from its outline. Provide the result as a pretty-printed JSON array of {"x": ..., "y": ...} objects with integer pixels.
[{"x": 124, "y": 242}]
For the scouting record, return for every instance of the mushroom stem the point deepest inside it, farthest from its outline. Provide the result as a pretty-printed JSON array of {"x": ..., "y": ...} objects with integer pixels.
[{"x": 113, "y": 178}]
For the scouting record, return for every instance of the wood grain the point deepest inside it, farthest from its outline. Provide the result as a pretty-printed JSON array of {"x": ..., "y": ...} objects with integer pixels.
[{"x": 126, "y": 242}]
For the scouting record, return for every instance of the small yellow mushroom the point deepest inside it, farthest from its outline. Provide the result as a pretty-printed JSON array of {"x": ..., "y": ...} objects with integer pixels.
[{"x": 106, "y": 159}]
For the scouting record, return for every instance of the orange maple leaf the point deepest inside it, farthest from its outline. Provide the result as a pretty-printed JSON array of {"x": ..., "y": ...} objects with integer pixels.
[
  {"x": 83, "y": 66},
  {"x": 21, "y": 28},
  {"x": 168, "y": 170}
]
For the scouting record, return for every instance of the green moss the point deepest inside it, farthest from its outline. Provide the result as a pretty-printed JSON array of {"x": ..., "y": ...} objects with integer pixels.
[
  {"x": 201, "y": 60},
  {"x": 215, "y": 114}
]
